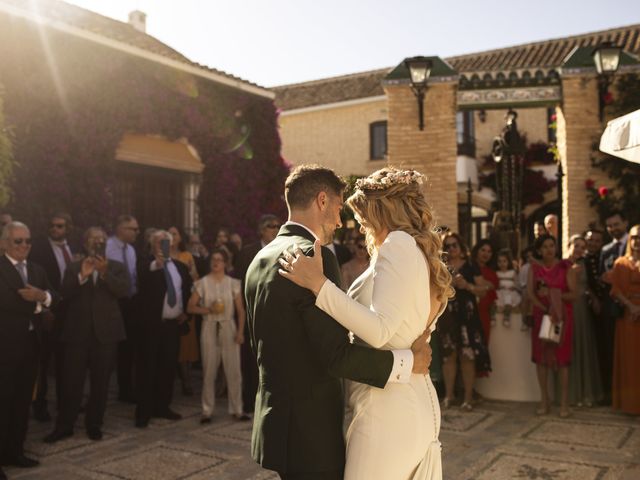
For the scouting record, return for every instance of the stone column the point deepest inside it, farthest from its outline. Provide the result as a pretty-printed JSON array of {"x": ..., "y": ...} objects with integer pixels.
[{"x": 431, "y": 151}]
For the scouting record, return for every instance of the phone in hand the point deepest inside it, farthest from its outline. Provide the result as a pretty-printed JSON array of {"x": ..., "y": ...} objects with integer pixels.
[
  {"x": 100, "y": 250},
  {"x": 164, "y": 247}
]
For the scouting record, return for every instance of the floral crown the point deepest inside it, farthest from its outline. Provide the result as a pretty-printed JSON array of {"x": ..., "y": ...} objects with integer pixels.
[{"x": 397, "y": 177}]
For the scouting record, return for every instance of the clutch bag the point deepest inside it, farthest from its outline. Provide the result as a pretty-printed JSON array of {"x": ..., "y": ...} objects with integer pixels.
[{"x": 549, "y": 331}]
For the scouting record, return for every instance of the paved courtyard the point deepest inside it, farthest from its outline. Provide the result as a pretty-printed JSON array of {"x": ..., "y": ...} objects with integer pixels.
[{"x": 498, "y": 440}]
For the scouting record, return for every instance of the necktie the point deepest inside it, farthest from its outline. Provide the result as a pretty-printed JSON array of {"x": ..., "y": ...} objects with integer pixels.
[
  {"x": 65, "y": 253},
  {"x": 171, "y": 289},
  {"x": 22, "y": 270}
]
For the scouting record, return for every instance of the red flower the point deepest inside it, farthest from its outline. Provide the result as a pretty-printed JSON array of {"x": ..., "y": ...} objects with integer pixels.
[
  {"x": 589, "y": 183},
  {"x": 554, "y": 117},
  {"x": 607, "y": 98},
  {"x": 603, "y": 191}
]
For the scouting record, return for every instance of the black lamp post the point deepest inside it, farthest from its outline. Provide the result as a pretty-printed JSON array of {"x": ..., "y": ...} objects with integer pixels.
[
  {"x": 419, "y": 69},
  {"x": 606, "y": 57}
]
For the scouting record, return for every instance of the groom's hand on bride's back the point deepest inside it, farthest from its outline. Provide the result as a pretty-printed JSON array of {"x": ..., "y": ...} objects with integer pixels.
[{"x": 421, "y": 354}]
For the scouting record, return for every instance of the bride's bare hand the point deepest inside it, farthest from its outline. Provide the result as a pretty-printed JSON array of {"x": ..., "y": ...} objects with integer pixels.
[{"x": 302, "y": 270}]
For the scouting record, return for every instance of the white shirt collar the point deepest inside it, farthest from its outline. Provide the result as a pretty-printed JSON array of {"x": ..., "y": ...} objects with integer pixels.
[
  {"x": 13, "y": 261},
  {"x": 289, "y": 222}
]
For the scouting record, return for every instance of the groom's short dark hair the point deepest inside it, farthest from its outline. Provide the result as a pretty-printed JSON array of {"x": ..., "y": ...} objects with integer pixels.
[{"x": 305, "y": 182}]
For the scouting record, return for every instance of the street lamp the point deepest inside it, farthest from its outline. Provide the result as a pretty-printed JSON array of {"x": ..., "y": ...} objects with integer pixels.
[
  {"x": 419, "y": 69},
  {"x": 606, "y": 57}
]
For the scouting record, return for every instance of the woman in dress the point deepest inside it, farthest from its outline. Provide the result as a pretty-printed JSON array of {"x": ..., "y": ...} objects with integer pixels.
[
  {"x": 188, "y": 342},
  {"x": 626, "y": 288},
  {"x": 394, "y": 431},
  {"x": 460, "y": 329},
  {"x": 551, "y": 288},
  {"x": 585, "y": 383},
  {"x": 357, "y": 265},
  {"x": 217, "y": 297},
  {"x": 482, "y": 256}
]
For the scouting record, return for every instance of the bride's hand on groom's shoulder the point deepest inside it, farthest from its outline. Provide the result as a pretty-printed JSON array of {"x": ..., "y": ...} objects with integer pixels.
[
  {"x": 303, "y": 270},
  {"x": 421, "y": 354}
]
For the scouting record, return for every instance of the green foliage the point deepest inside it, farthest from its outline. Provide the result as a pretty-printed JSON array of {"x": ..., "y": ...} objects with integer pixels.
[{"x": 6, "y": 158}]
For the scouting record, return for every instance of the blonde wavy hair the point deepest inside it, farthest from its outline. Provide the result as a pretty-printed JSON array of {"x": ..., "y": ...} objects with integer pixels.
[{"x": 386, "y": 200}]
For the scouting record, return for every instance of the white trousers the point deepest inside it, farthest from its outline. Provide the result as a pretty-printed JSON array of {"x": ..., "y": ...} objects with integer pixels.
[{"x": 217, "y": 341}]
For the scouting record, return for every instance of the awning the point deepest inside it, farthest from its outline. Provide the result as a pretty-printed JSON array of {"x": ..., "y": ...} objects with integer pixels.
[
  {"x": 621, "y": 138},
  {"x": 156, "y": 151}
]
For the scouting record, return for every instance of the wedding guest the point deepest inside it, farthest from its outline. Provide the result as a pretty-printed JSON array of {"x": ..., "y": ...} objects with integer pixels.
[
  {"x": 551, "y": 289},
  {"x": 626, "y": 288},
  {"x": 236, "y": 240},
  {"x": 92, "y": 328},
  {"x": 482, "y": 256},
  {"x": 526, "y": 258},
  {"x": 217, "y": 298},
  {"x": 551, "y": 225},
  {"x": 24, "y": 292},
  {"x": 189, "y": 353},
  {"x": 508, "y": 293},
  {"x": 54, "y": 253},
  {"x": 268, "y": 228},
  {"x": 199, "y": 253},
  {"x": 223, "y": 241},
  {"x": 120, "y": 249},
  {"x": 538, "y": 229},
  {"x": 585, "y": 382},
  {"x": 357, "y": 265},
  {"x": 460, "y": 328},
  {"x": 612, "y": 310},
  {"x": 164, "y": 289},
  {"x": 594, "y": 240}
]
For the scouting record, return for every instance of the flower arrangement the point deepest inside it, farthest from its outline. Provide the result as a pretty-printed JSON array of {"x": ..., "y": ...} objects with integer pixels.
[{"x": 395, "y": 177}]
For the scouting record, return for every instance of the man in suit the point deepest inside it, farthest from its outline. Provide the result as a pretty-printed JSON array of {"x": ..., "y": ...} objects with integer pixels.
[
  {"x": 24, "y": 293},
  {"x": 268, "y": 227},
  {"x": 120, "y": 249},
  {"x": 164, "y": 290},
  {"x": 301, "y": 351},
  {"x": 92, "y": 329},
  {"x": 617, "y": 226},
  {"x": 53, "y": 253}
]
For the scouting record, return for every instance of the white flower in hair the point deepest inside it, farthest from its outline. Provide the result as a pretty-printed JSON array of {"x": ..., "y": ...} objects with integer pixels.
[{"x": 393, "y": 178}]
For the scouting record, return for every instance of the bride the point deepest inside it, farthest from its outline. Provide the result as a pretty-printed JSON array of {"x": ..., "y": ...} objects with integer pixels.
[{"x": 394, "y": 431}]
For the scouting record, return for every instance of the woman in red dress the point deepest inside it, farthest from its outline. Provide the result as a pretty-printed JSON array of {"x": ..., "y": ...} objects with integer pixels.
[
  {"x": 482, "y": 255},
  {"x": 551, "y": 288}
]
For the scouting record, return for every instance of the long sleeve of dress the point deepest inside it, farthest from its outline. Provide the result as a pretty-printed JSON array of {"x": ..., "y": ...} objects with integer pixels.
[{"x": 393, "y": 291}]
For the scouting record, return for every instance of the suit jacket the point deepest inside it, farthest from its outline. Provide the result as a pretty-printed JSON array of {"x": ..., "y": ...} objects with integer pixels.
[
  {"x": 152, "y": 289},
  {"x": 42, "y": 253},
  {"x": 301, "y": 353},
  {"x": 94, "y": 309},
  {"x": 16, "y": 314}
]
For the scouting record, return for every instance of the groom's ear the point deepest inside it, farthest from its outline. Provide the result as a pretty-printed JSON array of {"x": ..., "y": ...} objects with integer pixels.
[{"x": 322, "y": 201}]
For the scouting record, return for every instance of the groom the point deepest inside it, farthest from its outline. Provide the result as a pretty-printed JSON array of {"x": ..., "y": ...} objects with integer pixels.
[{"x": 302, "y": 352}]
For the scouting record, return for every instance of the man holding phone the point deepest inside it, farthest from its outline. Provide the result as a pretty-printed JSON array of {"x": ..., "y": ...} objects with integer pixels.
[
  {"x": 164, "y": 290},
  {"x": 90, "y": 335}
]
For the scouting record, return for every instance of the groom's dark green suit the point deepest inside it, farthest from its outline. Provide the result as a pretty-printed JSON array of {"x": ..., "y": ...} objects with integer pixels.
[{"x": 302, "y": 354}]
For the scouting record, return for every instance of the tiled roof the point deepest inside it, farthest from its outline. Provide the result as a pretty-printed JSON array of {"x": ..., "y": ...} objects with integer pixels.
[
  {"x": 538, "y": 55},
  {"x": 80, "y": 18}
]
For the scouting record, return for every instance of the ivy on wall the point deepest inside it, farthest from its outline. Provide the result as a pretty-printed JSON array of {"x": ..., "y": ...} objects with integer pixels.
[
  {"x": 70, "y": 102},
  {"x": 6, "y": 157}
]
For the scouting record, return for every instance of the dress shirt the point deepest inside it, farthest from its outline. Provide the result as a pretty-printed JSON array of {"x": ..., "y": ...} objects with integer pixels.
[
  {"x": 56, "y": 247},
  {"x": 39, "y": 305},
  {"x": 402, "y": 359},
  {"x": 114, "y": 251},
  {"x": 168, "y": 312}
]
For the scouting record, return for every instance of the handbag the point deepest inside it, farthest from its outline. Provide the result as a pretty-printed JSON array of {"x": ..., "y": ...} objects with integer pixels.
[{"x": 549, "y": 331}]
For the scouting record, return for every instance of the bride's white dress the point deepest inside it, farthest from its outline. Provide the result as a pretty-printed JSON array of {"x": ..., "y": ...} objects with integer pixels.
[{"x": 394, "y": 431}]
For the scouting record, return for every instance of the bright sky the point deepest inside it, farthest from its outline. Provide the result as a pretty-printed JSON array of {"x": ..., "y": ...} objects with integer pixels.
[{"x": 275, "y": 42}]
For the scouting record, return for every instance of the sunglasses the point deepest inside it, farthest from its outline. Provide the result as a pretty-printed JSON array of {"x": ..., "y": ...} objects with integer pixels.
[
  {"x": 273, "y": 225},
  {"x": 59, "y": 226},
  {"x": 449, "y": 246},
  {"x": 20, "y": 241}
]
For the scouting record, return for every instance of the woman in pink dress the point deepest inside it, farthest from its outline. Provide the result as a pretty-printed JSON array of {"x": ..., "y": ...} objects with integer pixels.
[{"x": 551, "y": 289}]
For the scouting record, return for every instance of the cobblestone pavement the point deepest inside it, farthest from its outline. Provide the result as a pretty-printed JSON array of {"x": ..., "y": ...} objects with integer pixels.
[{"x": 498, "y": 440}]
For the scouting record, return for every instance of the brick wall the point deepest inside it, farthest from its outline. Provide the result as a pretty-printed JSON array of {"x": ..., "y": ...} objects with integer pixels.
[
  {"x": 337, "y": 138},
  {"x": 433, "y": 150}
]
